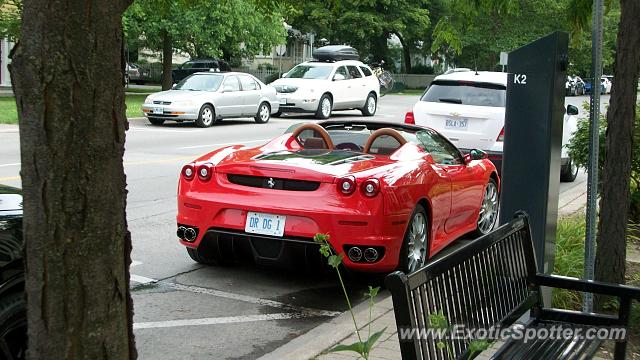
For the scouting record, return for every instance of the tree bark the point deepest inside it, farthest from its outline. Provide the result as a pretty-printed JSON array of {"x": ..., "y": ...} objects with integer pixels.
[
  {"x": 614, "y": 205},
  {"x": 406, "y": 54},
  {"x": 67, "y": 74},
  {"x": 167, "y": 60}
]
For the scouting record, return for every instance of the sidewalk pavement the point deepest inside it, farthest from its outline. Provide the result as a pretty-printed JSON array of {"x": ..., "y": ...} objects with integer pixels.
[{"x": 316, "y": 343}]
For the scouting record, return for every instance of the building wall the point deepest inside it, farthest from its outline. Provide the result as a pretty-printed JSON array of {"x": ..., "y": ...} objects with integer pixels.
[{"x": 5, "y": 48}]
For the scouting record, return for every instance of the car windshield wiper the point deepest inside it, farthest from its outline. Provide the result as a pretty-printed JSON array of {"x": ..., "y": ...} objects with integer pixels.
[{"x": 450, "y": 100}]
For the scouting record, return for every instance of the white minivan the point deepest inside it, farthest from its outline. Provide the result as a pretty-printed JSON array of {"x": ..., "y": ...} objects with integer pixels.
[{"x": 469, "y": 108}]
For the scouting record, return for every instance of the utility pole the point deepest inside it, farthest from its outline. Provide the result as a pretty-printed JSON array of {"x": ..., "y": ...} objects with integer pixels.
[{"x": 594, "y": 144}]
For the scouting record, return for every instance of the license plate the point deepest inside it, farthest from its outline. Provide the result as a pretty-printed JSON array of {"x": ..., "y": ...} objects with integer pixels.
[
  {"x": 265, "y": 224},
  {"x": 283, "y": 100},
  {"x": 158, "y": 110},
  {"x": 459, "y": 124}
]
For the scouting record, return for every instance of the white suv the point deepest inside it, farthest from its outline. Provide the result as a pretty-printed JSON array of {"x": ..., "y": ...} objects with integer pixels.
[
  {"x": 469, "y": 108},
  {"x": 321, "y": 87}
]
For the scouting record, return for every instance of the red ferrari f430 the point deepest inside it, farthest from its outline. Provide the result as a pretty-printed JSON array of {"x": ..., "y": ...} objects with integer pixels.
[{"x": 389, "y": 195}]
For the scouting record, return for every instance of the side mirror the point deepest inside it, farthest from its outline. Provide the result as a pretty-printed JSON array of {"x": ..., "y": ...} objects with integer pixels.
[
  {"x": 284, "y": 74},
  {"x": 174, "y": 86},
  {"x": 572, "y": 110},
  {"x": 338, "y": 77},
  {"x": 475, "y": 154}
]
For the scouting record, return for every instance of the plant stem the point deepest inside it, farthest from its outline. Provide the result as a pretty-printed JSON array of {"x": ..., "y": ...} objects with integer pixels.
[{"x": 346, "y": 296}]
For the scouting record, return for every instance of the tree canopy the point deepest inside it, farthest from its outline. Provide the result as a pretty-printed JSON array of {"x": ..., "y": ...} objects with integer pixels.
[{"x": 229, "y": 28}]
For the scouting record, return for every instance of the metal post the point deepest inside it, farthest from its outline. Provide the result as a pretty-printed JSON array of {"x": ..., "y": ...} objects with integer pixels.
[{"x": 594, "y": 142}]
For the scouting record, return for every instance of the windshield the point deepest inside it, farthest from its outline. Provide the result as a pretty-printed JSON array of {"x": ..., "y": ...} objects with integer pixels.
[
  {"x": 200, "y": 82},
  {"x": 309, "y": 72},
  {"x": 466, "y": 93}
]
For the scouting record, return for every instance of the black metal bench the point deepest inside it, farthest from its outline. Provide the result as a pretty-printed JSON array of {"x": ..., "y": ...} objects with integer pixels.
[{"x": 493, "y": 282}]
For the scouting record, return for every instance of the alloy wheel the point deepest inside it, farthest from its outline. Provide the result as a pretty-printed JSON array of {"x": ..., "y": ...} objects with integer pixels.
[
  {"x": 371, "y": 105},
  {"x": 489, "y": 210},
  {"x": 264, "y": 113},
  {"x": 207, "y": 116},
  {"x": 417, "y": 245},
  {"x": 326, "y": 107}
]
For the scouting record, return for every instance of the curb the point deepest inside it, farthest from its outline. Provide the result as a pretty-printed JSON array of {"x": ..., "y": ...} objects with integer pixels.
[
  {"x": 324, "y": 336},
  {"x": 9, "y": 128}
]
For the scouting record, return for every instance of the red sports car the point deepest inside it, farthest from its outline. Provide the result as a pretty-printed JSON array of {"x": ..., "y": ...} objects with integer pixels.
[{"x": 389, "y": 195}]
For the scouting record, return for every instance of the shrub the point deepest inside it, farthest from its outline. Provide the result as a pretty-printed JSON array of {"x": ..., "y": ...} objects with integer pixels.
[
  {"x": 271, "y": 78},
  {"x": 421, "y": 69},
  {"x": 579, "y": 151}
]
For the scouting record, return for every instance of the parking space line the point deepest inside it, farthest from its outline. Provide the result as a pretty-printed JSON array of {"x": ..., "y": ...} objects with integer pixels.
[
  {"x": 13, "y": 164},
  {"x": 216, "y": 321},
  {"x": 254, "y": 300}
]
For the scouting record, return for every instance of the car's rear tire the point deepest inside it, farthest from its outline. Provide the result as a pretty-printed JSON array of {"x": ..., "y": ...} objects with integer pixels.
[
  {"x": 488, "y": 215},
  {"x": 157, "y": 122},
  {"x": 370, "y": 105},
  {"x": 569, "y": 172},
  {"x": 324, "y": 107},
  {"x": 206, "y": 116},
  {"x": 13, "y": 326},
  {"x": 209, "y": 252},
  {"x": 264, "y": 113},
  {"x": 415, "y": 246}
]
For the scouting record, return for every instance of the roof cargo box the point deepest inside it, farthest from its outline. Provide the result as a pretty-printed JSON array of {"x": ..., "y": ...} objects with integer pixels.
[{"x": 335, "y": 53}]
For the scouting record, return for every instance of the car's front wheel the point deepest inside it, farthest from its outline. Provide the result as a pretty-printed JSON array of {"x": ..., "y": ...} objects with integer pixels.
[
  {"x": 264, "y": 113},
  {"x": 370, "y": 106},
  {"x": 489, "y": 210},
  {"x": 324, "y": 107},
  {"x": 414, "y": 251},
  {"x": 206, "y": 117},
  {"x": 569, "y": 172},
  {"x": 13, "y": 327}
]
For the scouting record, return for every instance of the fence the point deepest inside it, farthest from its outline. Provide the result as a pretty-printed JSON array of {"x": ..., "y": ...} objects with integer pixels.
[{"x": 410, "y": 81}]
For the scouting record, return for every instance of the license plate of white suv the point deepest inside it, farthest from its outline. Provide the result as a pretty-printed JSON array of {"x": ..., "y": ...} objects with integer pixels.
[{"x": 458, "y": 124}]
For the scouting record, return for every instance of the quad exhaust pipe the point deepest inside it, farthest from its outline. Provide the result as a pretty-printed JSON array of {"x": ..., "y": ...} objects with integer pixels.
[{"x": 187, "y": 233}]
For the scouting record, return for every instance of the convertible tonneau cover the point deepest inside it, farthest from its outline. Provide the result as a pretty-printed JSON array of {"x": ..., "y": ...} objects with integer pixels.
[{"x": 335, "y": 53}]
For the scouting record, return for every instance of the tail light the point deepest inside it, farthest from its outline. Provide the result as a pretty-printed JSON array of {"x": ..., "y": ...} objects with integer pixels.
[
  {"x": 370, "y": 187},
  {"x": 189, "y": 172},
  {"x": 347, "y": 185},
  {"x": 501, "y": 136},
  {"x": 409, "y": 118},
  {"x": 204, "y": 172}
]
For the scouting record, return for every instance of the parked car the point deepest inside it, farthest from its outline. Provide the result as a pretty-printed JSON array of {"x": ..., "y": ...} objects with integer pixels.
[
  {"x": 13, "y": 311},
  {"x": 321, "y": 87},
  {"x": 210, "y": 96},
  {"x": 390, "y": 195},
  {"x": 469, "y": 109},
  {"x": 607, "y": 84},
  {"x": 588, "y": 86},
  {"x": 135, "y": 74},
  {"x": 198, "y": 65},
  {"x": 574, "y": 86}
]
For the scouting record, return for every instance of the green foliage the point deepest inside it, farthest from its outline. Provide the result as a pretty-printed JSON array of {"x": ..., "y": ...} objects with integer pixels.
[
  {"x": 578, "y": 149},
  {"x": 439, "y": 321},
  {"x": 421, "y": 69},
  {"x": 569, "y": 260},
  {"x": 10, "y": 19},
  {"x": 363, "y": 348},
  {"x": 365, "y": 25},
  {"x": 231, "y": 28}
]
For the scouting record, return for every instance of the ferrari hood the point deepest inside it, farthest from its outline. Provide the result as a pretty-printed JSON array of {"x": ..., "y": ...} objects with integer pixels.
[{"x": 310, "y": 164}]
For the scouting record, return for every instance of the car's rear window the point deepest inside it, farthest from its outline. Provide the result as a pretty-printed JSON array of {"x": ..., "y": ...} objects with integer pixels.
[{"x": 466, "y": 93}]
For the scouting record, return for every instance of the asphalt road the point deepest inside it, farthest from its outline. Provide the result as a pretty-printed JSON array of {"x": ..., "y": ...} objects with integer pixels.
[{"x": 187, "y": 311}]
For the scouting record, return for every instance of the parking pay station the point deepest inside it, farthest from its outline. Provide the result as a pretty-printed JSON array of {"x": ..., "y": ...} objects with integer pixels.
[{"x": 533, "y": 139}]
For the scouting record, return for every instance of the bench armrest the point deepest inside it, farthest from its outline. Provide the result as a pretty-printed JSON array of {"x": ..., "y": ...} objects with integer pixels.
[{"x": 590, "y": 286}]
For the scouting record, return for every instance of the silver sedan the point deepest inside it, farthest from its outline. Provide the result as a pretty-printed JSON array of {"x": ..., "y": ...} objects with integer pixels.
[{"x": 207, "y": 97}]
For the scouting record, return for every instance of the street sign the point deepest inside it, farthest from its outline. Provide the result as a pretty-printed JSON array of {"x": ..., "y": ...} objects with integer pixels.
[
  {"x": 504, "y": 58},
  {"x": 281, "y": 49}
]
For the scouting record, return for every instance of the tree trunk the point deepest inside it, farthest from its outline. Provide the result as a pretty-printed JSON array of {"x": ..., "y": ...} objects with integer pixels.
[
  {"x": 67, "y": 74},
  {"x": 614, "y": 205},
  {"x": 406, "y": 54},
  {"x": 167, "y": 60}
]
